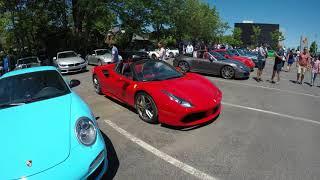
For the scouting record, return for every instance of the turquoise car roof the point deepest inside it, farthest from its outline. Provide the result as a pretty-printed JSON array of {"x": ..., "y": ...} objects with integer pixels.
[{"x": 28, "y": 70}]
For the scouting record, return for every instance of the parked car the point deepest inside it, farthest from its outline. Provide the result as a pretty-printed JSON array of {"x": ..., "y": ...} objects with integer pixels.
[
  {"x": 27, "y": 62},
  {"x": 212, "y": 63},
  {"x": 55, "y": 133},
  {"x": 229, "y": 55},
  {"x": 69, "y": 61},
  {"x": 100, "y": 57},
  {"x": 154, "y": 53},
  {"x": 251, "y": 55},
  {"x": 131, "y": 55},
  {"x": 159, "y": 92}
]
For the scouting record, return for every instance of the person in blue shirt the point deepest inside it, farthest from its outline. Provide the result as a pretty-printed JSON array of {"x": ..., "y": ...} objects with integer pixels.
[
  {"x": 115, "y": 53},
  {"x": 6, "y": 64}
]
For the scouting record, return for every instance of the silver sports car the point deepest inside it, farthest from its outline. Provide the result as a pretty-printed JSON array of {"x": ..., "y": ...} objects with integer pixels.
[
  {"x": 27, "y": 62},
  {"x": 212, "y": 63},
  {"x": 100, "y": 57},
  {"x": 69, "y": 61}
]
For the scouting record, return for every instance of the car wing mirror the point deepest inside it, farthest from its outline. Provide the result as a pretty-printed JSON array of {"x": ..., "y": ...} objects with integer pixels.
[
  {"x": 105, "y": 73},
  {"x": 79, "y": 55},
  {"x": 74, "y": 83}
]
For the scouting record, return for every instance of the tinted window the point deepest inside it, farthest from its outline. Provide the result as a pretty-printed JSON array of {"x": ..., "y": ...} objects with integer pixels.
[
  {"x": 31, "y": 87},
  {"x": 27, "y": 60},
  {"x": 102, "y": 51},
  {"x": 155, "y": 71},
  {"x": 67, "y": 54}
]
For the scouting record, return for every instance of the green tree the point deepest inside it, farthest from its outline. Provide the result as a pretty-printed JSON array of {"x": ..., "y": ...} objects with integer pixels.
[
  {"x": 237, "y": 37},
  {"x": 276, "y": 37},
  {"x": 313, "y": 48},
  {"x": 255, "y": 36}
]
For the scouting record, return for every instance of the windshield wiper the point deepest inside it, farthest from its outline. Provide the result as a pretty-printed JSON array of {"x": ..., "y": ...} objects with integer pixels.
[{"x": 11, "y": 105}]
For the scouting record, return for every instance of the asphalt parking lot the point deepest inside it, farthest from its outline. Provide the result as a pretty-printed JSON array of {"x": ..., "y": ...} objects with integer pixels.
[{"x": 265, "y": 131}]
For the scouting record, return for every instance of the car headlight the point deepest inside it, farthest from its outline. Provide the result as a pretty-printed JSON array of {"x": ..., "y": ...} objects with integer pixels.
[
  {"x": 178, "y": 100},
  {"x": 86, "y": 131}
]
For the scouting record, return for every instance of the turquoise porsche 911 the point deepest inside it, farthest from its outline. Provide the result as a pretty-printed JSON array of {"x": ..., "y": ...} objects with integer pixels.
[{"x": 48, "y": 131}]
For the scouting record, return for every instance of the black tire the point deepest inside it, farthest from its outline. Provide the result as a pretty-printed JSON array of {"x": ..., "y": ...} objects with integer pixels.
[
  {"x": 171, "y": 55},
  {"x": 227, "y": 72},
  {"x": 184, "y": 66},
  {"x": 153, "y": 56},
  {"x": 96, "y": 84},
  {"x": 147, "y": 109}
]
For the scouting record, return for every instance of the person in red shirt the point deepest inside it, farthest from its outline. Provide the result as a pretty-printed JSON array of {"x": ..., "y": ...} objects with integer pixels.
[{"x": 303, "y": 64}]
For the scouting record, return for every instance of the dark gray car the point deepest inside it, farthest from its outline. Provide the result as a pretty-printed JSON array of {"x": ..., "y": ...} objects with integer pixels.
[{"x": 212, "y": 63}]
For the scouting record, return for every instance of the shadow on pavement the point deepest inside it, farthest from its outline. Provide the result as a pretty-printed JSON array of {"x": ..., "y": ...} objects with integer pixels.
[
  {"x": 292, "y": 81},
  {"x": 113, "y": 160},
  {"x": 308, "y": 83}
]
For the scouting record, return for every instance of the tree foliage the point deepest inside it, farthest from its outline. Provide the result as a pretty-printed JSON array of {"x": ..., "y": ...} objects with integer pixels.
[
  {"x": 313, "y": 48},
  {"x": 234, "y": 39},
  {"x": 84, "y": 24},
  {"x": 255, "y": 36},
  {"x": 276, "y": 37}
]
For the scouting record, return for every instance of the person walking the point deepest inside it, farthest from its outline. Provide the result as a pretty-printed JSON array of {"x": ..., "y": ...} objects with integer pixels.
[
  {"x": 261, "y": 62},
  {"x": 162, "y": 51},
  {"x": 279, "y": 54},
  {"x": 290, "y": 60},
  {"x": 302, "y": 65},
  {"x": 315, "y": 70},
  {"x": 114, "y": 53}
]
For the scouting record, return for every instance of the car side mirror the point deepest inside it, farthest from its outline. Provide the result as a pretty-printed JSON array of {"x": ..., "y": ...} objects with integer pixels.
[
  {"x": 105, "y": 73},
  {"x": 79, "y": 55},
  {"x": 54, "y": 58},
  {"x": 74, "y": 83}
]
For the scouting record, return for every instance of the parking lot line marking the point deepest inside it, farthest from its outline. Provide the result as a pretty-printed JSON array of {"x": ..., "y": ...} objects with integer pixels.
[
  {"x": 185, "y": 167},
  {"x": 270, "y": 88},
  {"x": 273, "y": 113}
]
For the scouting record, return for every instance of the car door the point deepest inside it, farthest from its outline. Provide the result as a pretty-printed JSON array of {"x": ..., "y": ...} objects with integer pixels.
[
  {"x": 124, "y": 84},
  {"x": 204, "y": 64}
]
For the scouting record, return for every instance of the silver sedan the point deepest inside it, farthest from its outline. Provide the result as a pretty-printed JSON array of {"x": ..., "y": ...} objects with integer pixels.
[
  {"x": 100, "y": 57},
  {"x": 69, "y": 62}
]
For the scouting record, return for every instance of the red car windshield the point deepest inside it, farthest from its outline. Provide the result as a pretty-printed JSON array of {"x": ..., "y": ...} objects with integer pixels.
[{"x": 155, "y": 71}]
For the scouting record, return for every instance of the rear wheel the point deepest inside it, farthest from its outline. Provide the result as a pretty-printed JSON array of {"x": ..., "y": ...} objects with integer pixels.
[
  {"x": 146, "y": 108},
  {"x": 184, "y": 66},
  {"x": 96, "y": 84},
  {"x": 171, "y": 55},
  {"x": 227, "y": 72},
  {"x": 153, "y": 56}
]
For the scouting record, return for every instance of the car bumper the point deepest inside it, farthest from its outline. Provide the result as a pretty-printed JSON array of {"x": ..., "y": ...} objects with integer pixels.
[
  {"x": 187, "y": 117},
  {"x": 73, "y": 69},
  {"x": 82, "y": 163},
  {"x": 241, "y": 74}
]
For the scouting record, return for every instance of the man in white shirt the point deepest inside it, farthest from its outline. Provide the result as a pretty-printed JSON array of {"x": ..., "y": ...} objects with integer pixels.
[{"x": 189, "y": 49}]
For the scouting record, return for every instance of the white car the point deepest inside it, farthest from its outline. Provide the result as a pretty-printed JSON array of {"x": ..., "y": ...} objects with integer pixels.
[
  {"x": 69, "y": 62},
  {"x": 100, "y": 57},
  {"x": 169, "y": 53}
]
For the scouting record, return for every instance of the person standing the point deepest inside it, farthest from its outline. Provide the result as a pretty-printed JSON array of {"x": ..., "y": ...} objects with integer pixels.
[
  {"x": 303, "y": 64},
  {"x": 261, "y": 62},
  {"x": 162, "y": 51},
  {"x": 6, "y": 64},
  {"x": 290, "y": 60},
  {"x": 189, "y": 49},
  {"x": 315, "y": 70},
  {"x": 279, "y": 54},
  {"x": 114, "y": 53}
]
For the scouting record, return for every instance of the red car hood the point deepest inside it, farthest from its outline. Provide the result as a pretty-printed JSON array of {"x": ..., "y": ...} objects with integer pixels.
[
  {"x": 248, "y": 62},
  {"x": 193, "y": 88}
]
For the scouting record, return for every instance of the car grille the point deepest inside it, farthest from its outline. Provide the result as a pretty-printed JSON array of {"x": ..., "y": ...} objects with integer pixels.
[{"x": 200, "y": 115}]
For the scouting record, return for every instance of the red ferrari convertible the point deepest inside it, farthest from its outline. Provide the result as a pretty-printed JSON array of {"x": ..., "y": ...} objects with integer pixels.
[{"x": 159, "y": 92}]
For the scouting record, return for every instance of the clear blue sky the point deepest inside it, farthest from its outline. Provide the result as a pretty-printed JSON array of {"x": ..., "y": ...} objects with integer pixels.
[{"x": 295, "y": 17}]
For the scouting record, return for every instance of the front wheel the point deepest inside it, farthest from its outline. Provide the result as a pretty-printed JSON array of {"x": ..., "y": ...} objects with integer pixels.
[
  {"x": 227, "y": 72},
  {"x": 171, "y": 55},
  {"x": 184, "y": 66},
  {"x": 146, "y": 108},
  {"x": 96, "y": 85}
]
